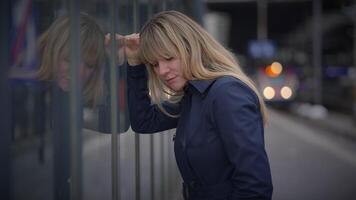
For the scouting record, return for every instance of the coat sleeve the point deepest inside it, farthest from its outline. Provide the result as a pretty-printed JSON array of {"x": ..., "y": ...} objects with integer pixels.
[
  {"x": 144, "y": 116},
  {"x": 238, "y": 120}
]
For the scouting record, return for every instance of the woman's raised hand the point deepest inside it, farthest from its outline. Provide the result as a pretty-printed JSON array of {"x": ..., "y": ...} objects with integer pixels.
[
  {"x": 132, "y": 45},
  {"x": 128, "y": 45}
]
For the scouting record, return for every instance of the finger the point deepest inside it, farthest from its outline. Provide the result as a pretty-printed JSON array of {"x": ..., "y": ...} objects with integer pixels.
[
  {"x": 132, "y": 36},
  {"x": 132, "y": 40},
  {"x": 120, "y": 39},
  {"x": 129, "y": 41},
  {"x": 107, "y": 39},
  {"x": 118, "y": 36}
]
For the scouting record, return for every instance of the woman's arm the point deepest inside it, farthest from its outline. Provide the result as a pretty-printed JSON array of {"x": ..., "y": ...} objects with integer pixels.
[
  {"x": 145, "y": 117},
  {"x": 238, "y": 120}
]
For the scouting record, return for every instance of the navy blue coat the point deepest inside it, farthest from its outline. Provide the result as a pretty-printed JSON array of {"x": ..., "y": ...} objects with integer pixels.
[{"x": 219, "y": 144}]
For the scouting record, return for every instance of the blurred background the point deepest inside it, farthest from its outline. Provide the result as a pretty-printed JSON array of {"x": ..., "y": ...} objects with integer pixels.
[{"x": 54, "y": 145}]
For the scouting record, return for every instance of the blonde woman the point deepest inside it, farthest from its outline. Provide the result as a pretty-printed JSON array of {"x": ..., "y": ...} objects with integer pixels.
[
  {"x": 192, "y": 83},
  {"x": 54, "y": 56}
]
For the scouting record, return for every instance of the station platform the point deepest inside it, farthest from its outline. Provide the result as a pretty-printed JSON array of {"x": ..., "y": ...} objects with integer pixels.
[{"x": 330, "y": 121}]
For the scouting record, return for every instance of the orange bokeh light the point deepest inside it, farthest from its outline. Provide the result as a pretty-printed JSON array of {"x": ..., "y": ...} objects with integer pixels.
[{"x": 274, "y": 70}]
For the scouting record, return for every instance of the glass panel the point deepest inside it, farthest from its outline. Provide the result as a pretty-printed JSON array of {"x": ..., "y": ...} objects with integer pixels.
[
  {"x": 41, "y": 58},
  {"x": 98, "y": 118},
  {"x": 39, "y": 81},
  {"x": 100, "y": 151},
  {"x": 58, "y": 150}
]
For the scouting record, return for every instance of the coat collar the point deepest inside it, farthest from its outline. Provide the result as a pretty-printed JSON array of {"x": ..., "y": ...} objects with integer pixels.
[{"x": 200, "y": 85}]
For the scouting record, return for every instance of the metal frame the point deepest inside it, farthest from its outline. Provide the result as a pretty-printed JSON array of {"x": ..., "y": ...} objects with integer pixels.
[
  {"x": 75, "y": 105},
  {"x": 5, "y": 118}
]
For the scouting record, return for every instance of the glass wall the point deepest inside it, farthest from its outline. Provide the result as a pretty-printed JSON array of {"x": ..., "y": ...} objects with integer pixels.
[{"x": 65, "y": 124}]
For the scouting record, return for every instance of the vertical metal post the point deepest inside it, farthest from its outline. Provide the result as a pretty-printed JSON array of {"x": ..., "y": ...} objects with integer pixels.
[
  {"x": 354, "y": 77},
  {"x": 136, "y": 15},
  {"x": 164, "y": 5},
  {"x": 163, "y": 160},
  {"x": 195, "y": 9},
  {"x": 75, "y": 104},
  {"x": 152, "y": 156},
  {"x": 114, "y": 105},
  {"x": 317, "y": 50},
  {"x": 169, "y": 169},
  {"x": 137, "y": 136},
  {"x": 150, "y": 8},
  {"x": 152, "y": 167},
  {"x": 262, "y": 21},
  {"x": 161, "y": 139},
  {"x": 5, "y": 107}
]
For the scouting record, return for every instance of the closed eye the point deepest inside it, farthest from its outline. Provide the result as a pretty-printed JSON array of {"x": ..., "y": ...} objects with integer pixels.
[
  {"x": 154, "y": 65},
  {"x": 66, "y": 59},
  {"x": 90, "y": 66},
  {"x": 168, "y": 57}
]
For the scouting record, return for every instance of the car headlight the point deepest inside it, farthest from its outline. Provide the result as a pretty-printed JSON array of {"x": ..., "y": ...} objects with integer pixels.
[
  {"x": 286, "y": 92},
  {"x": 268, "y": 92}
]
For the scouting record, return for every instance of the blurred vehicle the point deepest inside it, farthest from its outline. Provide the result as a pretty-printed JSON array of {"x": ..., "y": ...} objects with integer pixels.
[{"x": 277, "y": 84}]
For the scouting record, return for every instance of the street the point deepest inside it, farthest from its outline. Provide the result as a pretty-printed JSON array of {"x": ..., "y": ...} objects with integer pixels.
[{"x": 309, "y": 164}]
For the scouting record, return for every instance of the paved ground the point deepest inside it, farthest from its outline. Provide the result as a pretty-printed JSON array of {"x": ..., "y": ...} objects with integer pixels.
[{"x": 307, "y": 163}]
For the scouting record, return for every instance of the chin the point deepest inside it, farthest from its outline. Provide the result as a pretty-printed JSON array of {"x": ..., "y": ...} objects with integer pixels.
[
  {"x": 63, "y": 86},
  {"x": 65, "y": 89},
  {"x": 177, "y": 88}
]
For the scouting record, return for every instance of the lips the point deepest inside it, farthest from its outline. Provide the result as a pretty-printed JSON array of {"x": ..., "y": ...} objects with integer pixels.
[
  {"x": 63, "y": 83},
  {"x": 170, "y": 81},
  {"x": 64, "y": 79}
]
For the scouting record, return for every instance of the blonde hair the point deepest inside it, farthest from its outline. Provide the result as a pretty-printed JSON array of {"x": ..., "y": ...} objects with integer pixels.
[
  {"x": 53, "y": 45},
  {"x": 173, "y": 34}
]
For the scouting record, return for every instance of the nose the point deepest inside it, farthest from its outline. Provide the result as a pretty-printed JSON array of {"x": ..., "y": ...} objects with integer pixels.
[{"x": 163, "y": 68}]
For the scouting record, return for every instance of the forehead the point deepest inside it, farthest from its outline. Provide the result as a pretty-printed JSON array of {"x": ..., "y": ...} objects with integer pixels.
[
  {"x": 155, "y": 50},
  {"x": 156, "y": 41},
  {"x": 88, "y": 55}
]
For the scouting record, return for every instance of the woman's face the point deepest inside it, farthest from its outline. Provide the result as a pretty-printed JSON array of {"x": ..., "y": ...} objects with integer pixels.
[
  {"x": 62, "y": 74},
  {"x": 170, "y": 72}
]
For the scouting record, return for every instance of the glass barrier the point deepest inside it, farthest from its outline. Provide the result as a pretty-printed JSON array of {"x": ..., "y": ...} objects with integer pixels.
[
  {"x": 69, "y": 125},
  {"x": 61, "y": 95}
]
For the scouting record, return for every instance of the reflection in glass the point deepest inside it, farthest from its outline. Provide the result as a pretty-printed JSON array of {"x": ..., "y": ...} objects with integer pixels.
[{"x": 53, "y": 48}]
